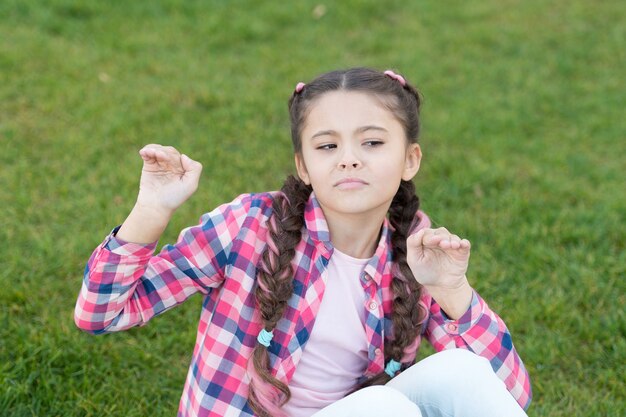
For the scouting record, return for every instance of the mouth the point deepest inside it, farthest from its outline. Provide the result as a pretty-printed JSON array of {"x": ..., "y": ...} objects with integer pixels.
[{"x": 350, "y": 182}]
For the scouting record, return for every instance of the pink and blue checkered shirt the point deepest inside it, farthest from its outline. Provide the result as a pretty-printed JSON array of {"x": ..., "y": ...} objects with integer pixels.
[{"x": 126, "y": 285}]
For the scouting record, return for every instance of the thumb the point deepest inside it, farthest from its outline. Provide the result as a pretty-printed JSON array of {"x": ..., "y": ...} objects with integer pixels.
[{"x": 190, "y": 167}]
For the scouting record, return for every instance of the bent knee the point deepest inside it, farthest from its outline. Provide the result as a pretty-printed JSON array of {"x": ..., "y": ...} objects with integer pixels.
[
  {"x": 452, "y": 370},
  {"x": 454, "y": 380},
  {"x": 459, "y": 364}
]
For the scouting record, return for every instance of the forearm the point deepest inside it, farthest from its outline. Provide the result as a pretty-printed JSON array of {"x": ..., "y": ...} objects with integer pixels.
[
  {"x": 110, "y": 279},
  {"x": 144, "y": 225},
  {"x": 125, "y": 284}
]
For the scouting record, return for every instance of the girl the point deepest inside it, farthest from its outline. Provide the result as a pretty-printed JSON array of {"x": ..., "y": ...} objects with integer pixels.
[{"x": 316, "y": 297}]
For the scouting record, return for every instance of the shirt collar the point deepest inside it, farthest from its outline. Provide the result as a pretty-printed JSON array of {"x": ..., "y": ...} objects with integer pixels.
[{"x": 317, "y": 228}]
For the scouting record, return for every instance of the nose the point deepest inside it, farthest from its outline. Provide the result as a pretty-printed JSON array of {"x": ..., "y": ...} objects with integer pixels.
[
  {"x": 349, "y": 160},
  {"x": 353, "y": 164}
]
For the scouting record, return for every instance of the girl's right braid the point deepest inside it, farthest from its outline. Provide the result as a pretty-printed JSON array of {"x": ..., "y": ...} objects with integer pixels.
[{"x": 275, "y": 286}]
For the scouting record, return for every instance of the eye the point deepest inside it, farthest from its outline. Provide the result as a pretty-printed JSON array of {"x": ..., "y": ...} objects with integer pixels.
[
  {"x": 373, "y": 142},
  {"x": 327, "y": 147}
]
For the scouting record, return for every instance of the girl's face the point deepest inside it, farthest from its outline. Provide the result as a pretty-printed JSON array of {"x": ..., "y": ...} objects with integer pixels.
[{"x": 354, "y": 154}]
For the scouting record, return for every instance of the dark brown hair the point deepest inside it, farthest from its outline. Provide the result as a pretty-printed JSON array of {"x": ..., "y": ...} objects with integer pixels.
[{"x": 275, "y": 272}]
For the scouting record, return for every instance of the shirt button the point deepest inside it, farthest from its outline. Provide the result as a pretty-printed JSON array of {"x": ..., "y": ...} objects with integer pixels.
[
  {"x": 373, "y": 305},
  {"x": 377, "y": 352},
  {"x": 451, "y": 327}
]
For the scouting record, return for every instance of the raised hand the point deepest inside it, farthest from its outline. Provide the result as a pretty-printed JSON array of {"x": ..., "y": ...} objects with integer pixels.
[
  {"x": 168, "y": 178},
  {"x": 439, "y": 261}
]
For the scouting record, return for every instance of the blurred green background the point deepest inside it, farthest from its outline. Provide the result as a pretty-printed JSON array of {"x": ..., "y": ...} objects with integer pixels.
[{"x": 524, "y": 153}]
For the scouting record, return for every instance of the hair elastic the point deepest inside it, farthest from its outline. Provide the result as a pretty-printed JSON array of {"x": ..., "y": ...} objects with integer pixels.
[
  {"x": 396, "y": 77},
  {"x": 392, "y": 367},
  {"x": 299, "y": 87},
  {"x": 265, "y": 337}
]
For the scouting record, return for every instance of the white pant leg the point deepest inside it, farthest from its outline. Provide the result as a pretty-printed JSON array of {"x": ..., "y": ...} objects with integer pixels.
[
  {"x": 375, "y": 401},
  {"x": 454, "y": 383}
]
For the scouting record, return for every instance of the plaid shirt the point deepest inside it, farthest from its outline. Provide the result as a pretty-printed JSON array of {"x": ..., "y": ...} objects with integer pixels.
[{"x": 125, "y": 285}]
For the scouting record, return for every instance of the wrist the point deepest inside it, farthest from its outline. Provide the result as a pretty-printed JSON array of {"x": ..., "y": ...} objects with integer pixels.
[
  {"x": 151, "y": 211},
  {"x": 144, "y": 224},
  {"x": 453, "y": 300}
]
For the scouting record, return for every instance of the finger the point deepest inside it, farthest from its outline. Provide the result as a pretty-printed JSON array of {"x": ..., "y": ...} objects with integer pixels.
[
  {"x": 423, "y": 238},
  {"x": 149, "y": 157},
  {"x": 431, "y": 239},
  {"x": 460, "y": 244},
  {"x": 160, "y": 155},
  {"x": 151, "y": 146},
  {"x": 149, "y": 152},
  {"x": 170, "y": 149},
  {"x": 161, "y": 159},
  {"x": 169, "y": 159},
  {"x": 146, "y": 154},
  {"x": 155, "y": 147},
  {"x": 446, "y": 243},
  {"x": 455, "y": 242}
]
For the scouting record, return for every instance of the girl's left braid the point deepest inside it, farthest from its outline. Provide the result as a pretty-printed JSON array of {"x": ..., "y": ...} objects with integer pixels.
[
  {"x": 275, "y": 286},
  {"x": 407, "y": 291}
]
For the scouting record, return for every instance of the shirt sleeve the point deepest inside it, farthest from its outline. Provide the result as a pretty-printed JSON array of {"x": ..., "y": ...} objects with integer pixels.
[
  {"x": 482, "y": 331},
  {"x": 125, "y": 284}
]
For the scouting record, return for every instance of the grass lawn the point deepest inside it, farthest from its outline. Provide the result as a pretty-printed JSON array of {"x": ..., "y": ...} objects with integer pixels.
[{"x": 524, "y": 140}]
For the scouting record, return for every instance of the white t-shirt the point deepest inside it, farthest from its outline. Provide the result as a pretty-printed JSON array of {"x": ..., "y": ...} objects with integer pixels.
[{"x": 335, "y": 355}]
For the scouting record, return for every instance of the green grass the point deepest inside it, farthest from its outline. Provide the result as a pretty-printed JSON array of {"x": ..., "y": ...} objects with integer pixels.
[{"x": 524, "y": 144}]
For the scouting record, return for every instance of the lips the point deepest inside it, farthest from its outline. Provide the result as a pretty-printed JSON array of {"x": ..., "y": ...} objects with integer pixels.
[{"x": 350, "y": 181}]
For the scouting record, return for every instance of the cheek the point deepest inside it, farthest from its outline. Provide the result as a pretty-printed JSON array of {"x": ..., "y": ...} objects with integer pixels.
[
  {"x": 392, "y": 161},
  {"x": 316, "y": 174},
  {"x": 391, "y": 168}
]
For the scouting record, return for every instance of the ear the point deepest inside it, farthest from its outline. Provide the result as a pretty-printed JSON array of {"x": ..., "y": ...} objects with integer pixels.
[
  {"x": 412, "y": 161},
  {"x": 303, "y": 173}
]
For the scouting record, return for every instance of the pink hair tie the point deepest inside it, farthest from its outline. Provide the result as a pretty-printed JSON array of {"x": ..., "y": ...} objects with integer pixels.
[
  {"x": 299, "y": 87},
  {"x": 396, "y": 77}
]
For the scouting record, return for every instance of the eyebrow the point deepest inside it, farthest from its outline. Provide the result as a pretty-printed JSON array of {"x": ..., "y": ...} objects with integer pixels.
[{"x": 359, "y": 130}]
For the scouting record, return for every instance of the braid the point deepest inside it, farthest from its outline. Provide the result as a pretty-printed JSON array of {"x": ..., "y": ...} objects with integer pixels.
[
  {"x": 407, "y": 291},
  {"x": 275, "y": 286}
]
